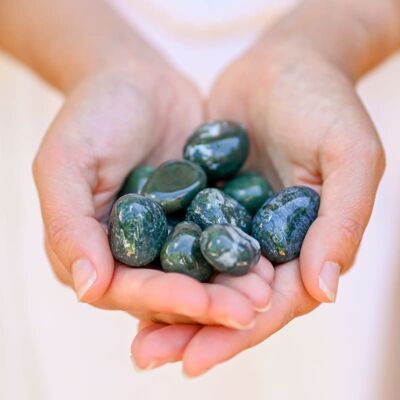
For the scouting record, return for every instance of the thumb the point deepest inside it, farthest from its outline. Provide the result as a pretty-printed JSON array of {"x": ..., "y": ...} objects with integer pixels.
[
  {"x": 350, "y": 180},
  {"x": 75, "y": 237}
]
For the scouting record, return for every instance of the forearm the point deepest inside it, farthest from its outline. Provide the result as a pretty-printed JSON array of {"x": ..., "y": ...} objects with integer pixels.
[
  {"x": 66, "y": 40},
  {"x": 354, "y": 34}
]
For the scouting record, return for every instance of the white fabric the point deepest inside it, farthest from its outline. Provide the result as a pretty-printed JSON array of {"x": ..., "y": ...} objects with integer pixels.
[{"x": 55, "y": 349}]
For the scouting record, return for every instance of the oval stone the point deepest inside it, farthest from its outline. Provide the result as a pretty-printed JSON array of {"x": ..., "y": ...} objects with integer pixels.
[
  {"x": 136, "y": 180},
  {"x": 212, "y": 206},
  {"x": 181, "y": 253},
  {"x": 219, "y": 147},
  {"x": 282, "y": 222},
  {"x": 250, "y": 189},
  {"x": 137, "y": 230},
  {"x": 229, "y": 250},
  {"x": 174, "y": 184}
]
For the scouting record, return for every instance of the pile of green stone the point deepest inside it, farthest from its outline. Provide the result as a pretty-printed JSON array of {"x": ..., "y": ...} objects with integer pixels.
[{"x": 198, "y": 215}]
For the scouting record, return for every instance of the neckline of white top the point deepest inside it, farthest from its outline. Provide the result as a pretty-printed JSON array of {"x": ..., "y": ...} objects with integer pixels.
[{"x": 181, "y": 27}]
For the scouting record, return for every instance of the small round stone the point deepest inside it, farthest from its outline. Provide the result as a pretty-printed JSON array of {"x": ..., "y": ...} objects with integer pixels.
[
  {"x": 136, "y": 180},
  {"x": 250, "y": 189},
  {"x": 282, "y": 222},
  {"x": 174, "y": 184},
  {"x": 137, "y": 230},
  {"x": 212, "y": 206},
  {"x": 181, "y": 253},
  {"x": 229, "y": 250},
  {"x": 219, "y": 147}
]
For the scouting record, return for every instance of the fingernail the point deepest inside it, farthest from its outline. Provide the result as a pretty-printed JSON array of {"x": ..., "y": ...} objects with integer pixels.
[
  {"x": 236, "y": 325},
  {"x": 329, "y": 280},
  {"x": 152, "y": 365},
  {"x": 264, "y": 309},
  {"x": 84, "y": 276}
]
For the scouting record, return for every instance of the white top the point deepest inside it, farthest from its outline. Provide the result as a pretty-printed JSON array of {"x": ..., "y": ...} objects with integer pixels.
[{"x": 55, "y": 349}]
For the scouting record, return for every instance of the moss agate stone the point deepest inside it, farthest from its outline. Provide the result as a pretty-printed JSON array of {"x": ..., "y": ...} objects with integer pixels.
[
  {"x": 282, "y": 222},
  {"x": 250, "y": 189},
  {"x": 229, "y": 250},
  {"x": 137, "y": 230},
  {"x": 219, "y": 147},
  {"x": 136, "y": 180},
  {"x": 212, "y": 206},
  {"x": 181, "y": 253},
  {"x": 174, "y": 184}
]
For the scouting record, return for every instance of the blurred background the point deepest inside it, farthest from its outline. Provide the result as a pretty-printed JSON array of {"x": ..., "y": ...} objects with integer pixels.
[{"x": 51, "y": 347}]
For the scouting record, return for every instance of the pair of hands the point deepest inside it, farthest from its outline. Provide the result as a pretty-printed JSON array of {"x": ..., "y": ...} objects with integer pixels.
[{"x": 307, "y": 127}]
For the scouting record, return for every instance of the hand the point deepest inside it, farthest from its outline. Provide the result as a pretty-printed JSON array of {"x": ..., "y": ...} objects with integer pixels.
[
  {"x": 111, "y": 122},
  {"x": 309, "y": 128}
]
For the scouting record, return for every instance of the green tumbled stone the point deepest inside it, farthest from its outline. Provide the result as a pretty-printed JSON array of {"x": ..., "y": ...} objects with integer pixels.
[
  {"x": 281, "y": 224},
  {"x": 250, "y": 189},
  {"x": 181, "y": 253},
  {"x": 212, "y": 206},
  {"x": 229, "y": 250},
  {"x": 137, "y": 230},
  {"x": 136, "y": 180},
  {"x": 219, "y": 147},
  {"x": 174, "y": 184}
]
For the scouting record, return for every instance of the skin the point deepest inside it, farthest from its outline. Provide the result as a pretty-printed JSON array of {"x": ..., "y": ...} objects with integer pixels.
[{"x": 294, "y": 90}]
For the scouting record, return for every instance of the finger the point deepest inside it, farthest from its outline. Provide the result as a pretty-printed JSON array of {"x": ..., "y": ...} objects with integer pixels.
[
  {"x": 151, "y": 293},
  {"x": 250, "y": 285},
  {"x": 57, "y": 267},
  {"x": 351, "y": 174},
  {"x": 74, "y": 235},
  {"x": 158, "y": 345},
  {"x": 213, "y": 345}
]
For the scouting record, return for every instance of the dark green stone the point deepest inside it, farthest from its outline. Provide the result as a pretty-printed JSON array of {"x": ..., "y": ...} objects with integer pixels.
[
  {"x": 219, "y": 147},
  {"x": 282, "y": 222},
  {"x": 250, "y": 189},
  {"x": 181, "y": 253},
  {"x": 137, "y": 230},
  {"x": 212, "y": 206},
  {"x": 136, "y": 179},
  {"x": 174, "y": 184},
  {"x": 229, "y": 250}
]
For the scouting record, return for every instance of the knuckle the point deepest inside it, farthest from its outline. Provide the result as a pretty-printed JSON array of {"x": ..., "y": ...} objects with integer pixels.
[
  {"x": 351, "y": 231},
  {"x": 59, "y": 231}
]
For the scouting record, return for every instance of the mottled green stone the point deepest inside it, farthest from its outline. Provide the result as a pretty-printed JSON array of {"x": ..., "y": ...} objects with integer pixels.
[
  {"x": 136, "y": 180},
  {"x": 137, "y": 230},
  {"x": 174, "y": 184},
  {"x": 212, "y": 206},
  {"x": 250, "y": 189},
  {"x": 181, "y": 253},
  {"x": 219, "y": 147},
  {"x": 229, "y": 250},
  {"x": 282, "y": 222}
]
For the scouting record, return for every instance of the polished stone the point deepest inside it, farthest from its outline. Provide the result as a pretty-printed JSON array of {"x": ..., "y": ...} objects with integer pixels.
[
  {"x": 137, "y": 230},
  {"x": 174, "y": 184},
  {"x": 229, "y": 250},
  {"x": 250, "y": 189},
  {"x": 136, "y": 180},
  {"x": 181, "y": 253},
  {"x": 282, "y": 222},
  {"x": 219, "y": 147},
  {"x": 212, "y": 206}
]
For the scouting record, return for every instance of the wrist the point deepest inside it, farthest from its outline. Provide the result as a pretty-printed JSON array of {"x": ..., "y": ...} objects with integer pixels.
[{"x": 350, "y": 34}]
